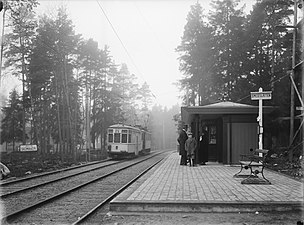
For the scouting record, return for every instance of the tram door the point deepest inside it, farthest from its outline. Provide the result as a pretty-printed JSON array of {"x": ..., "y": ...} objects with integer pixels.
[
  {"x": 143, "y": 141},
  {"x": 137, "y": 144}
]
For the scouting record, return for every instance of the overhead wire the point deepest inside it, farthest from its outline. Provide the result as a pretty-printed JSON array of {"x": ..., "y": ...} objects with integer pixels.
[
  {"x": 149, "y": 27},
  {"x": 272, "y": 82},
  {"x": 256, "y": 40},
  {"x": 254, "y": 43},
  {"x": 260, "y": 34},
  {"x": 121, "y": 42}
]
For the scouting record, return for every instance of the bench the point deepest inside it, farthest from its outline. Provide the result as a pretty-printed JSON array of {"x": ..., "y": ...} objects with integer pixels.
[{"x": 256, "y": 163}]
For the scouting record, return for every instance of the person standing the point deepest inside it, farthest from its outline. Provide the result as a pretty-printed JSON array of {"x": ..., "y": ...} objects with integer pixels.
[
  {"x": 181, "y": 141},
  {"x": 190, "y": 146},
  {"x": 203, "y": 147}
]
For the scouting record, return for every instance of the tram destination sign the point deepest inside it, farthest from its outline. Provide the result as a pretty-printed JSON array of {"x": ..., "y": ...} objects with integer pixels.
[{"x": 260, "y": 95}]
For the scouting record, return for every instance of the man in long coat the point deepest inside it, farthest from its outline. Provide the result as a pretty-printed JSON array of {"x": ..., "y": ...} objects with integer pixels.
[
  {"x": 181, "y": 140},
  {"x": 203, "y": 147}
]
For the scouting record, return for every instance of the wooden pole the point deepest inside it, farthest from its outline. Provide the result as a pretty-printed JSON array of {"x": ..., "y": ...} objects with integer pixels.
[
  {"x": 302, "y": 73},
  {"x": 292, "y": 91},
  {"x": 1, "y": 40}
]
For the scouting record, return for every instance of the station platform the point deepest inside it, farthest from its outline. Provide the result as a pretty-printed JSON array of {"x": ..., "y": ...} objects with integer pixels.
[{"x": 171, "y": 187}]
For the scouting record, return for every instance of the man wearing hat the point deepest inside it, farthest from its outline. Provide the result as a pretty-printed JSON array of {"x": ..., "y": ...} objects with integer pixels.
[{"x": 181, "y": 140}]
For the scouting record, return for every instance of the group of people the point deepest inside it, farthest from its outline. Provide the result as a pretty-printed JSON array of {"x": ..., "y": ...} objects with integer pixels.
[{"x": 188, "y": 146}]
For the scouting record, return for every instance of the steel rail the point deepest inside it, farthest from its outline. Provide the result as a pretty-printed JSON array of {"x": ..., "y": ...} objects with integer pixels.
[
  {"x": 50, "y": 173},
  {"x": 56, "y": 179},
  {"x": 108, "y": 199},
  {"x": 17, "y": 213}
]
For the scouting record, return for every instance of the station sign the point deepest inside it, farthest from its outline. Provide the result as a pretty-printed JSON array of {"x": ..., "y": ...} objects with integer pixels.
[
  {"x": 260, "y": 95},
  {"x": 28, "y": 148}
]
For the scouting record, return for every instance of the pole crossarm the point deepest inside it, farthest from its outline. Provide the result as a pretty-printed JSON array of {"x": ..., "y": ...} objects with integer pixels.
[
  {"x": 299, "y": 64},
  {"x": 297, "y": 91},
  {"x": 298, "y": 130}
]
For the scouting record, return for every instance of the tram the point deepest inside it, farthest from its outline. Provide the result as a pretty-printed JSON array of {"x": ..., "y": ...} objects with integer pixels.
[{"x": 124, "y": 141}]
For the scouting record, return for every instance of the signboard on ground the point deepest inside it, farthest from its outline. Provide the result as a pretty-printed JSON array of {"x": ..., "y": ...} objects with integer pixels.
[
  {"x": 28, "y": 148},
  {"x": 260, "y": 95}
]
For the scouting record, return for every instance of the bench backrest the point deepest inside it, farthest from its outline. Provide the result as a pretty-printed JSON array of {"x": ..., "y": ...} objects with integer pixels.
[
  {"x": 257, "y": 152},
  {"x": 264, "y": 151}
]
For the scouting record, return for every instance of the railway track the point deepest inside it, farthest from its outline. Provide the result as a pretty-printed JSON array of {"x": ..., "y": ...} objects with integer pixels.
[
  {"x": 70, "y": 199},
  {"x": 27, "y": 183},
  {"x": 17, "y": 180}
]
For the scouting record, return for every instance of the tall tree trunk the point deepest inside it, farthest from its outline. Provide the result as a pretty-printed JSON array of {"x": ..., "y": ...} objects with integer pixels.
[
  {"x": 58, "y": 118},
  {"x": 70, "y": 139},
  {"x": 94, "y": 136},
  {"x": 23, "y": 92},
  {"x": 88, "y": 106}
]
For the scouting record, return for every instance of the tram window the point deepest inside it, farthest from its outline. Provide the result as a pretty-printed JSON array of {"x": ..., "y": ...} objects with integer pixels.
[
  {"x": 117, "y": 138},
  {"x": 110, "y": 137},
  {"x": 124, "y": 136}
]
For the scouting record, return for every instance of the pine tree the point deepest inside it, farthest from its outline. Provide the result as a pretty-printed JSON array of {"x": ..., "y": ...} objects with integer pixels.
[
  {"x": 145, "y": 97},
  {"x": 54, "y": 88},
  {"x": 126, "y": 88},
  {"x": 18, "y": 46},
  {"x": 196, "y": 56},
  {"x": 12, "y": 123},
  {"x": 227, "y": 21}
]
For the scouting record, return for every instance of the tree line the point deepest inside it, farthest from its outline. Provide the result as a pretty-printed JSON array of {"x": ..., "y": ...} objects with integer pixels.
[
  {"x": 69, "y": 85},
  {"x": 225, "y": 54}
]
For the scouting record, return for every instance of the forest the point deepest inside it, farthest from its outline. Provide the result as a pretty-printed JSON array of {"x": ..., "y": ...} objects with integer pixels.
[
  {"x": 225, "y": 54},
  {"x": 72, "y": 89}
]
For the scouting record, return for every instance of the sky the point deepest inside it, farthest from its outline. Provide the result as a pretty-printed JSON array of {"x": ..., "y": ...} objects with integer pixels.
[
  {"x": 147, "y": 33},
  {"x": 140, "y": 33}
]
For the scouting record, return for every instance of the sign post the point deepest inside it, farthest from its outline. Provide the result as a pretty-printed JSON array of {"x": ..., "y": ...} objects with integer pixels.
[{"x": 260, "y": 95}]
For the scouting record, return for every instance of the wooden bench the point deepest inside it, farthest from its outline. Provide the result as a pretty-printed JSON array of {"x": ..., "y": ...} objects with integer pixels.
[{"x": 256, "y": 163}]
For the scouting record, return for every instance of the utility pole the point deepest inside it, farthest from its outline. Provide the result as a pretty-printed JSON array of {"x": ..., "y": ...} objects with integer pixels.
[
  {"x": 292, "y": 91},
  {"x": 163, "y": 126},
  {"x": 2, "y": 8},
  {"x": 301, "y": 5}
]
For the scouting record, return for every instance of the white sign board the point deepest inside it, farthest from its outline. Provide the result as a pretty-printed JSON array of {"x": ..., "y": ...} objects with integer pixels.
[
  {"x": 260, "y": 95},
  {"x": 28, "y": 148}
]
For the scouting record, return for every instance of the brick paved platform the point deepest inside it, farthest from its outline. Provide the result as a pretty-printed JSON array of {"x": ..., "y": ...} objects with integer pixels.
[{"x": 209, "y": 188}]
